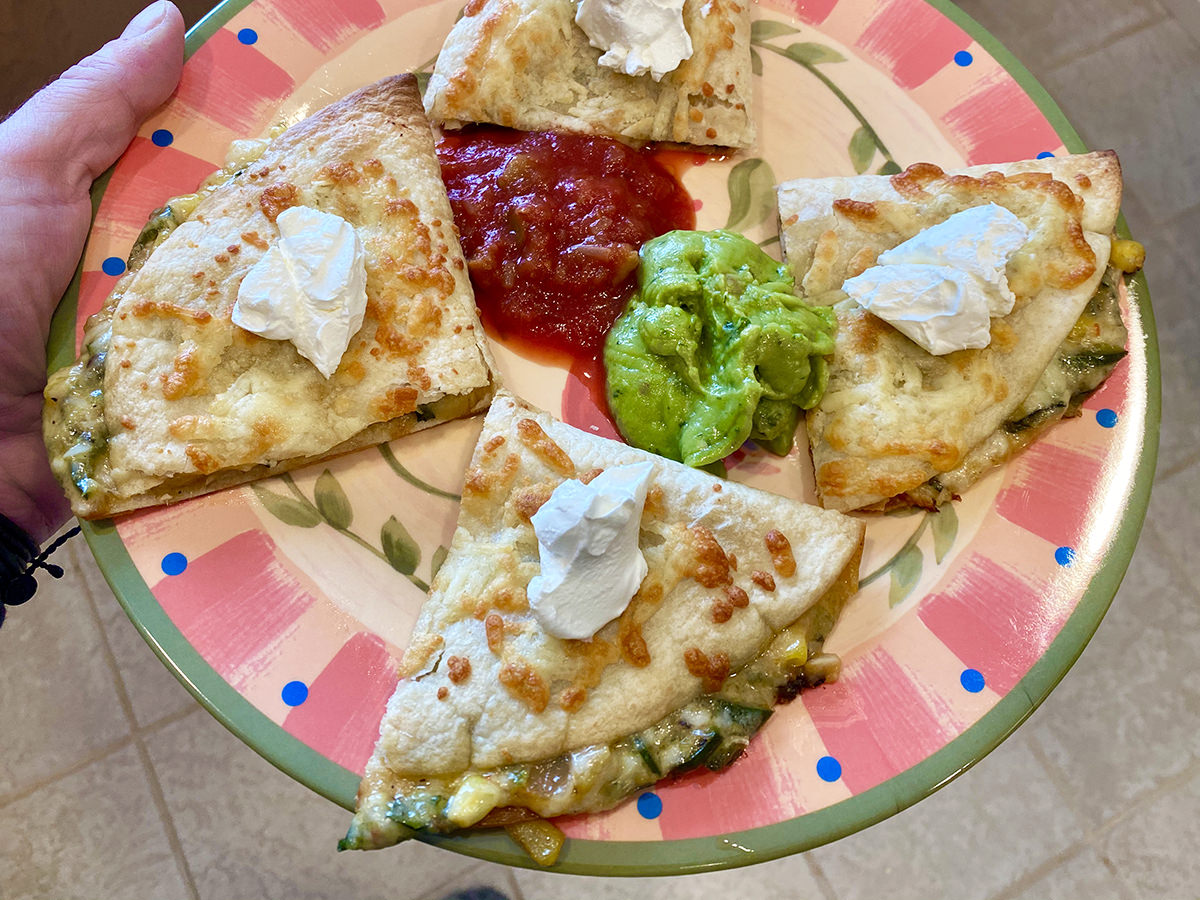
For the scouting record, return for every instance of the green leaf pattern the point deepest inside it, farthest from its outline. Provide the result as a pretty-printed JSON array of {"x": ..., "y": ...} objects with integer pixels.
[
  {"x": 399, "y": 547},
  {"x": 812, "y": 54},
  {"x": 751, "y": 188},
  {"x": 331, "y": 505},
  {"x": 865, "y": 142},
  {"x": 906, "y": 572},
  {"x": 287, "y": 509},
  {"x": 945, "y": 530},
  {"x": 862, "y": 149},
  {"x": 332, "y": 502},
  {"x": 907, "y": 564}
]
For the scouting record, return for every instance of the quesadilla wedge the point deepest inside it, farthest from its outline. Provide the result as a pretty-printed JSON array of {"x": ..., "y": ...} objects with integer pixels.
[
  {"x": 170, "y": 399},
  {"x": 526, "y": 64},
  {"x": 900, "y": 426},
  {"x": 495, "y": 719}
]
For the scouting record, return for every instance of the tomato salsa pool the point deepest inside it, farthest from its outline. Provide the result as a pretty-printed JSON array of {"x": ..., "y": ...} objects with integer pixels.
[{"x": 551, "y": 225}]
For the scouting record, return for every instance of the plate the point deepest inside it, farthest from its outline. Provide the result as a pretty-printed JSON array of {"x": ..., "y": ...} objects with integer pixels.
[{"x": 283, "y": 606}]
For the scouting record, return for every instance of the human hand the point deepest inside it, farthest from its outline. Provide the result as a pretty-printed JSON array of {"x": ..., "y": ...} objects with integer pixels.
[{"x": 51, "y": 150}]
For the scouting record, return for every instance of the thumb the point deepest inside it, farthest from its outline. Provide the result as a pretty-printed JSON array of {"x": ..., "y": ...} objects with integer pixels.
[{"x": 79, "y": 124}]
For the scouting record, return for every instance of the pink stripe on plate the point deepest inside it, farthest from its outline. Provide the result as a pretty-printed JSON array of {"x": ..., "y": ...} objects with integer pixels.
[
  {"x": 340, "y": 717},
  {"x": 325, "y": 25},
  {"x": 704, "y": 803},
  {"x": 1049, "y": 490},
  {"x": 814, "y": 12},
  {"x": 998, "y": 122},
  {"x": 995, "y": 618},
  {"x": 875, "y": 721},
  {"x": 233, "y": 84},
  {"x": 235, "y": 604},
  {"x": 145, "y": 178},
  {"x": 911, "y": 41}
]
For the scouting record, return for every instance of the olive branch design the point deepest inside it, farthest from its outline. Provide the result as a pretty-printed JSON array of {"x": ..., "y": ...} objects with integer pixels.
[
  {"x": 865, "y": 143},
  {"x": 331, "y": 506},
  {"x": 906, "y": 564}
]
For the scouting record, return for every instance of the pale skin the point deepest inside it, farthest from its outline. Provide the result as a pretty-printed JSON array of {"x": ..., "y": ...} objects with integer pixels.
[{"x": 51, "y": 150}]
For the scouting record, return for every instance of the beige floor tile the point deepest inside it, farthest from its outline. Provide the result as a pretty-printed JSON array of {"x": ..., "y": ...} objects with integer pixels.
[
  {"x": 1173, "y": 270},
  {"x": 153, "y": 692},
  {"x": 1150, "y": 117},
  {"x": 789, "y": 877},
  {"x": 1154, "y": 850},
  {"x": 1083, "y": 875},
  {"x": 58, "y": 697},
  {"x": 1044, "y": 34},
  {"x": 1125, "y": 719},
  {"x": 999, "y": 822},
  {"x": 249, "y": 831},
  {"x": 94, "y": 834}
]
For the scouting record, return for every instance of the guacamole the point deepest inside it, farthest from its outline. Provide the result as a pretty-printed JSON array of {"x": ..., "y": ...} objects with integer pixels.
[{"x": 714, "y": 348}]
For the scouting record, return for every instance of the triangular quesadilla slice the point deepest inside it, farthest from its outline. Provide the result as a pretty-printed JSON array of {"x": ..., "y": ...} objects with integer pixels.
[
  {"x": 170, "y": 398},
  {"x": 527, "y": 64},
  {"x": 900, "y": 425},
  {"x": 496, "y": 719}
]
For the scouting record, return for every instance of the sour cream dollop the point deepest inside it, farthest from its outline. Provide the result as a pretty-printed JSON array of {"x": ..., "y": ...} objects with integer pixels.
[
  {"x": 309, "y": 288},
  {"x": 941, "y": 287},
  {"x": 638, "y": 36},
  {"x": 588, "y": 545}
]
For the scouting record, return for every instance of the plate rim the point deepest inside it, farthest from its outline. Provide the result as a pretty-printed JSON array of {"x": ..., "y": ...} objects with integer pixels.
[{"x": 690, "y": 855}]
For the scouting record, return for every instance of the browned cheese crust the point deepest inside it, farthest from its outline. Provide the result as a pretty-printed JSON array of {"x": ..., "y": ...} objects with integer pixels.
[
  {"x": 525, "y": 64},
  {"x": 193, "y": 402},
  {"x": 483, "y": 684},
  {"x": 894, "y": 415}
]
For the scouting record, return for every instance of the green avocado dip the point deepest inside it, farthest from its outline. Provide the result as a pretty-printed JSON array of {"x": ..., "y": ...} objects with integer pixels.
[{"x": 713, "y": 349}]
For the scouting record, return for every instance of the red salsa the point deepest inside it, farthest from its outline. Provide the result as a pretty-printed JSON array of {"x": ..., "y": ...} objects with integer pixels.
[{"x": 551, "y": 225}]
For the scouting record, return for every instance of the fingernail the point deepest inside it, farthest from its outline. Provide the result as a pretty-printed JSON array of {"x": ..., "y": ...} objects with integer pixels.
[{"x": 147, "y": 20}]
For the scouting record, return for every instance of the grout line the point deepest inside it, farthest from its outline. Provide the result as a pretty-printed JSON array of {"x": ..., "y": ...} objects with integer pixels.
[
  {"x": 514, "y": 887},
  {"x": 1038, "y": 872},
  {"x": 1147, "y": 798},
  {"x": 138, "y": 740},
  {"x": 818, "y": 875},
  {"x": 74, "y": 768},
  {"x": 1061, "y": 781},
  {"x": 1117, "y": 879}
]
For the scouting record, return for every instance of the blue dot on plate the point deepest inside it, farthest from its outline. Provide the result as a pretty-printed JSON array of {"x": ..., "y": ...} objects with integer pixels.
[
  {"x": 1045, "y": 154},
  {"x": 829, "y": 769},
  {"x": 294, "y": 693},
  {"x": 649, "y": 805},
  {"x": 1107, "y": 418},
  {"x": 964, "y": 57},
  {"x": 162, "y": 138},
  {"x": 114, "y": 265},
  {"x": 174, "y": 563},
  {"x": 972, "y": 680},
  {"x": 248, "y": 36},
  {"x": 1064, "y": 556}
]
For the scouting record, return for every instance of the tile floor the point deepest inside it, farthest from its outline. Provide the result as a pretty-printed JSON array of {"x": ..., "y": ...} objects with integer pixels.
[{"x": 115, "y": 784}]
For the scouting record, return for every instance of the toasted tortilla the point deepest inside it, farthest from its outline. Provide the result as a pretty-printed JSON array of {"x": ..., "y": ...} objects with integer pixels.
[
  {"x": 484, "y": 688},
  {"x": 190, "y": 402},
  {"x": 894, "y": 416},
  {"x": 525, "y": 64}
]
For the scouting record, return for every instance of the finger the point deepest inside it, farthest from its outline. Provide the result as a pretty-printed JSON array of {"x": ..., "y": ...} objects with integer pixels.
[{"x": 76, "y": 127}]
